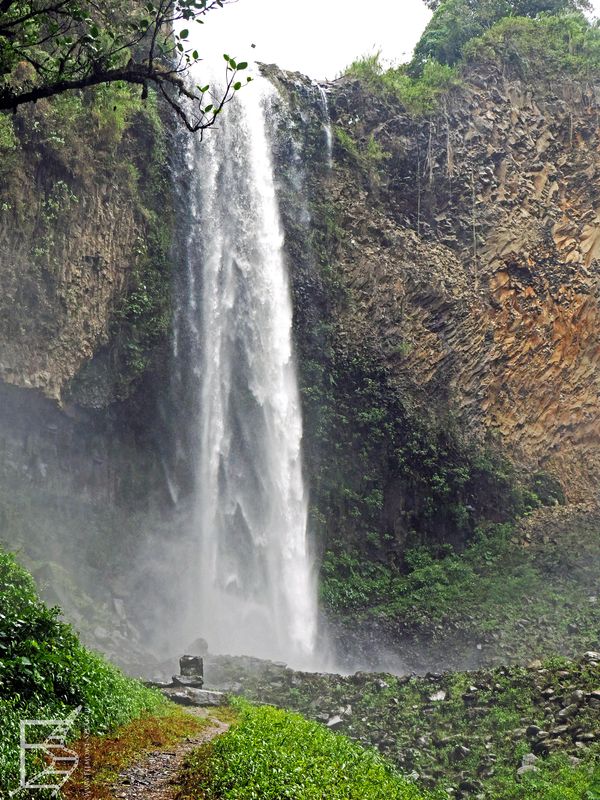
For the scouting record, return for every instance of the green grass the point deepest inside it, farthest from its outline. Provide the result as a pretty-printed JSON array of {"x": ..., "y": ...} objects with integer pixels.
[
  {"x": 482, "y": 715},
  {"x": 45, "y": 672},
  {"x": 272, "y": 754}
]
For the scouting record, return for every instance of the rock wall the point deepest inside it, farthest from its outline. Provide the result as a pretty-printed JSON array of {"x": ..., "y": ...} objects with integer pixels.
[
  {"x": 470, "y": 255},
  {"x": 85, "y": 224},
  {"x": 444, "y": 275},
  {"x": 78, "y": 209}
]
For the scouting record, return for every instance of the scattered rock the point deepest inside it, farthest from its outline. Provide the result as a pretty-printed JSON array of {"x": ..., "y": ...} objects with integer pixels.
[
  {"x": 436, "y": 697},
  {"x": 525, "y": 769}
]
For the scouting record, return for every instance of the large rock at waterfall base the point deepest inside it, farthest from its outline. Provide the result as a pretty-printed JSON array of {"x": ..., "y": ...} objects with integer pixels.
[
  {"x": 191, "y": 667},
  {"x": 188, "y": 696}
]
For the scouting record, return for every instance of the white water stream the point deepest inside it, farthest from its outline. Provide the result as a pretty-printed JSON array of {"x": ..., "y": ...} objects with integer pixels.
[{"x": 254, "y": 591}]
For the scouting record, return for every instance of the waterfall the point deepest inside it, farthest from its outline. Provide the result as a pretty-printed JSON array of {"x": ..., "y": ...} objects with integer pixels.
[
  {"x": 253, "y": 591},
  {"x": 327, "y": 125}
]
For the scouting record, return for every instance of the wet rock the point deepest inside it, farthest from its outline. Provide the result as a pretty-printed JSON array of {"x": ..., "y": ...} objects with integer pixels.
[
  {"x": 437, "y": 697},
  {"x": 191, "y": 666},
  {"x": 195, "y": 682},
  {"x": 577, "y": 697},
  {"x": 591, "y": 656},
  {"x": 459, "y": 753},
  {"x": 196, "y": 697},
  {"x": 568, "y": 712},
  {"x": 528, "y": 759},
  {"x": 526, "y": 768}
]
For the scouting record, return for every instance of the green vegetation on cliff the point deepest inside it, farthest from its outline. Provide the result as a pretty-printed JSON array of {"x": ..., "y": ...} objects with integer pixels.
[
  {"x": 103, "y": 150},
  {"x": 456, "y": 22},
  {"x": 46, "y": 673},
  {"x": 553, "y": 36},
  {"x": 513, "y": 598},
  {"x": 420, "y": 522}
]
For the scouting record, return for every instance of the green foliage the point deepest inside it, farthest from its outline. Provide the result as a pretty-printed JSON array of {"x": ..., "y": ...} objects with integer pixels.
[
  {"x": 48, "y": 49},
  {"x": 557, "y": 779},
  {"x": 45, "y": 672},
  {"x": 272, "y": 754},
  {"x": 524, "y": 33},
  {"x": 8, "y": 139},
  {"x": 546, "y": 46},
  {"x": 368, "y": 156},
  {"x": 419, "y": 95},
  {"x": 457, "y": 22},
  {"x": 528, "y": 599}
]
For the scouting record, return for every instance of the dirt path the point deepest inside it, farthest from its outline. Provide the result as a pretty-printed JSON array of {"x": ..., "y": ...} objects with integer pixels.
[{"x": 153, "y": 777}]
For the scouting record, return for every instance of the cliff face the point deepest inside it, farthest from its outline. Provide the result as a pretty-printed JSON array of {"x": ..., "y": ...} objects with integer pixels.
[
  {"x": 77, "y": 211},
  {"x": 445, "y": 281},
  {"x": 85, "y": 227},
  {"x": 470, "y": 255},
  {"x": 444, "y": 275}
]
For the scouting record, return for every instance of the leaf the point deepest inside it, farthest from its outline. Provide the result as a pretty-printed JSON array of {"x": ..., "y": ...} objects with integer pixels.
[
  {"x": 242, "y": 65},
  {"x": 184, "y": 33}
]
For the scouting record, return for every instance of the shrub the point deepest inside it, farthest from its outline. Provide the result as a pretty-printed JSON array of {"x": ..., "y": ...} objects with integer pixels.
[
  {"x": 45, "y": 672},
  {"x": 536, "y": 46},
  {"x": 419, "y": 95},
  {"x": 457, "y": 22}
]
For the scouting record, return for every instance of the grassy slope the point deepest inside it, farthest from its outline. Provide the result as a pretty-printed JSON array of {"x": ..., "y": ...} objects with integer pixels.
[
  {"x": 467, "y": 732},
  {"x": 520, "y": 598},
  {"x": 45, "y": 672},
  {"x": 272, "y": 754}
]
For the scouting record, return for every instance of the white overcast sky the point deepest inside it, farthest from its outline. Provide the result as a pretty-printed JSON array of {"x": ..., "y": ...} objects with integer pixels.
[{"x": 317, "y": 37}]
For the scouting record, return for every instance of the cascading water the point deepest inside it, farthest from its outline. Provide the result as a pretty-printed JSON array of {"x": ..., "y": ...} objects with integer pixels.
[
  {"x": 253, "y": 590},
  {"x": 327, "y": 125}
]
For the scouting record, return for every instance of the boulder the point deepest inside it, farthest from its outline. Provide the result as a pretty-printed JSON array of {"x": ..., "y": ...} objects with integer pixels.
[
  {"x": 191, "y": 666},
  {"x": 194, "y": 682},
  {"x": 188, "y": 696}
]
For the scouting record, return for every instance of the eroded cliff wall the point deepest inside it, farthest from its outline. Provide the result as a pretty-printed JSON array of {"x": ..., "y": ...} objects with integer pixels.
[{"x": 470, "y": 253}]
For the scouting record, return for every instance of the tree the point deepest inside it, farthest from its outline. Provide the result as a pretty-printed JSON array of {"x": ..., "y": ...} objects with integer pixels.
[
  {"x": 455, "y": 22},
  {"x": 48, "y": 47},
  {"x": 530, "y": 8}
]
